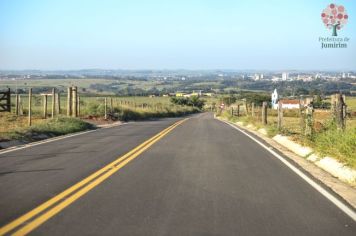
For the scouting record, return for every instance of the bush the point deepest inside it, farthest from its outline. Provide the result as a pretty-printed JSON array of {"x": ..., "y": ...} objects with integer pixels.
[
  {"x": 337, "y": 143},
  {"x": 193, "y": 101}
]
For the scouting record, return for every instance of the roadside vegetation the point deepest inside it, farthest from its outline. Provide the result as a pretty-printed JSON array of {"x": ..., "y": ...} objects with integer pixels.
[
  {"x": 92, "y": 111},
  {"x": 41, "y": 129},
  {"x": 327, "y": 140},
  {"x": 193, "y": 101}
]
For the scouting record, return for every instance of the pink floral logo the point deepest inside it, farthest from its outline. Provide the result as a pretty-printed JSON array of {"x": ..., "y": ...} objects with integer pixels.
[{"x": 334, "y": 17}]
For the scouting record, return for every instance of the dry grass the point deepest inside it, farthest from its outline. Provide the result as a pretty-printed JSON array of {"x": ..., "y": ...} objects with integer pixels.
[
  {"x": 122, "y": 108},
  {"x": 327, "y": 140}
]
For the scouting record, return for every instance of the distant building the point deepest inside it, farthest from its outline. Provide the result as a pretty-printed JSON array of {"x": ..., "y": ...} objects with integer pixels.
[
  {"x": 285, "y": 76},
  {"x": 287, "y": 103}
]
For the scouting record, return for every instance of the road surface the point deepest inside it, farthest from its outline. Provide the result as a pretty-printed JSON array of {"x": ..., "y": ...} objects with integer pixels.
[{"x": 198, "y": 177}]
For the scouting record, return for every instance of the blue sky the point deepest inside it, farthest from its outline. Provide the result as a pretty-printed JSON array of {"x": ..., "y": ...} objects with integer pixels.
[{"x": 158, "y": 34}]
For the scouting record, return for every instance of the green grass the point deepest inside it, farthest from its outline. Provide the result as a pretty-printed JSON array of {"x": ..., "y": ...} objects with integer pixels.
[
  {"x": 327, "y": 141},
  {"x": 47, "y": 128},
  {"x": 56, "y": 83},
  {"x": 338, "y": 144},
  {"x": 351, "y": 103},
  {"x": 123, "y": 108}
]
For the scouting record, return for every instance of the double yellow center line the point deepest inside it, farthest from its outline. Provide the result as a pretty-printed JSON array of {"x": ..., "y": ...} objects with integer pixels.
[{"x": 34, "y": 218}]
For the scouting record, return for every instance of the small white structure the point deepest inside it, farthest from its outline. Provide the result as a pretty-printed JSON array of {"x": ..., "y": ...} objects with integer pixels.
[
  {"x": 286, "y": 103},
  {"x": 274, "y": 99}
]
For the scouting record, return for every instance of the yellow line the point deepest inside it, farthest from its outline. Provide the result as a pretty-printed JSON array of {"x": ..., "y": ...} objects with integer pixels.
[{"x": 110, "y": 168}]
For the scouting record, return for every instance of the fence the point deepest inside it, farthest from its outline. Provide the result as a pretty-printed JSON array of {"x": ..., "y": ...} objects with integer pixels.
[
  {"x": 5, "y": 101},
  {"x": 304, "y": 121},
  {"x": 50, "y": 104}
]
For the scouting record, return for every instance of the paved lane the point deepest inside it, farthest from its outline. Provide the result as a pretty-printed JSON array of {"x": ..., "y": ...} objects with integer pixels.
[
  {"x": 30, "y": 176},
  {"x": 202, "y": 178}
]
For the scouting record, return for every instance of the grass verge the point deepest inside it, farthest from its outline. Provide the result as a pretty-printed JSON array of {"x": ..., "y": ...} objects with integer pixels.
[
  {"x": 327, "y": 142},
  {"x": 46, "y": 129},
  {"x": 338, "y": 144}
]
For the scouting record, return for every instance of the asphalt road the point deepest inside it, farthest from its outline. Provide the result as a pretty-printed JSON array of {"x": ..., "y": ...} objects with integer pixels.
[{"x": 202, "y": 178}]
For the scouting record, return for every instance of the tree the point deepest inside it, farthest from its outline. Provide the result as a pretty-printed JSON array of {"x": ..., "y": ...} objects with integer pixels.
[
  {"x": 334, "y": 17},
  {"x": 194, "y": 101}
]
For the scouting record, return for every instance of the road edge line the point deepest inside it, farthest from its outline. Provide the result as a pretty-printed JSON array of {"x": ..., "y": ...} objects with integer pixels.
[
  {"x": 343, "y": 207},
  {"x": 42, "y": 218}
]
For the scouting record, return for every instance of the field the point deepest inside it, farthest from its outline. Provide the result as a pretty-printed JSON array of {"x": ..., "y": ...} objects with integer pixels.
[
  {"x": 92, "y": 100},
  {"x": 89, "y": 85},
  {"x": 126, "y": 108},
  {"x": 33, "y": 83}
]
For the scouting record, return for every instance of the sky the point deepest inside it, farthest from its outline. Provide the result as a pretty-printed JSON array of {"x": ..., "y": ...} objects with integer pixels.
[{"x": 175, "y": 34}]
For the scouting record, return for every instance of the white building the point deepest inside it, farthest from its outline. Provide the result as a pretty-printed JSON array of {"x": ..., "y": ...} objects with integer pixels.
[
  {"x": 285, "y": 76},
  {"x": 286, "y": 103}
]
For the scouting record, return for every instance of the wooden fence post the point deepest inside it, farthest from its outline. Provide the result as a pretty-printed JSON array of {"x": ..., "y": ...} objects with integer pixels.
[
  {"x": 264, "y": 113},
  {"x": 232, "y": 111},
  {"x": 58, "y": 103},
  {"x": 301, "y": 117},
  {"x": 111, "y": 105},
  {"x": 280, "y": 115},
  {"x": 339, "y": 111},
  {"x": 253, "y": 109},
  {"x": 309, "y": 130},
  {"x": 105, "y": 109},
  {"x": 238, "y": 110},
  {"x": 69, "y": 101},
  {"x": 17, "y": 104},
  {"x": 75, "y": 101},
  {"x": 78, "y": 105},
  {"x": 29, "y": 106},
  {"x": 53, "y": 102},
  {"x": 45, "y": 106},
  {"x": 20, "y": 106}
]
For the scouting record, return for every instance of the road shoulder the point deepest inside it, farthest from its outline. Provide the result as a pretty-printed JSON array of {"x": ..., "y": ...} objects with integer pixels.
[{"x": 344, "y": 191}]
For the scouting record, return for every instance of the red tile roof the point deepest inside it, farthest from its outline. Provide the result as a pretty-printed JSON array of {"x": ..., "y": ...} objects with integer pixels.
[{"x": 289, "y": 101}]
